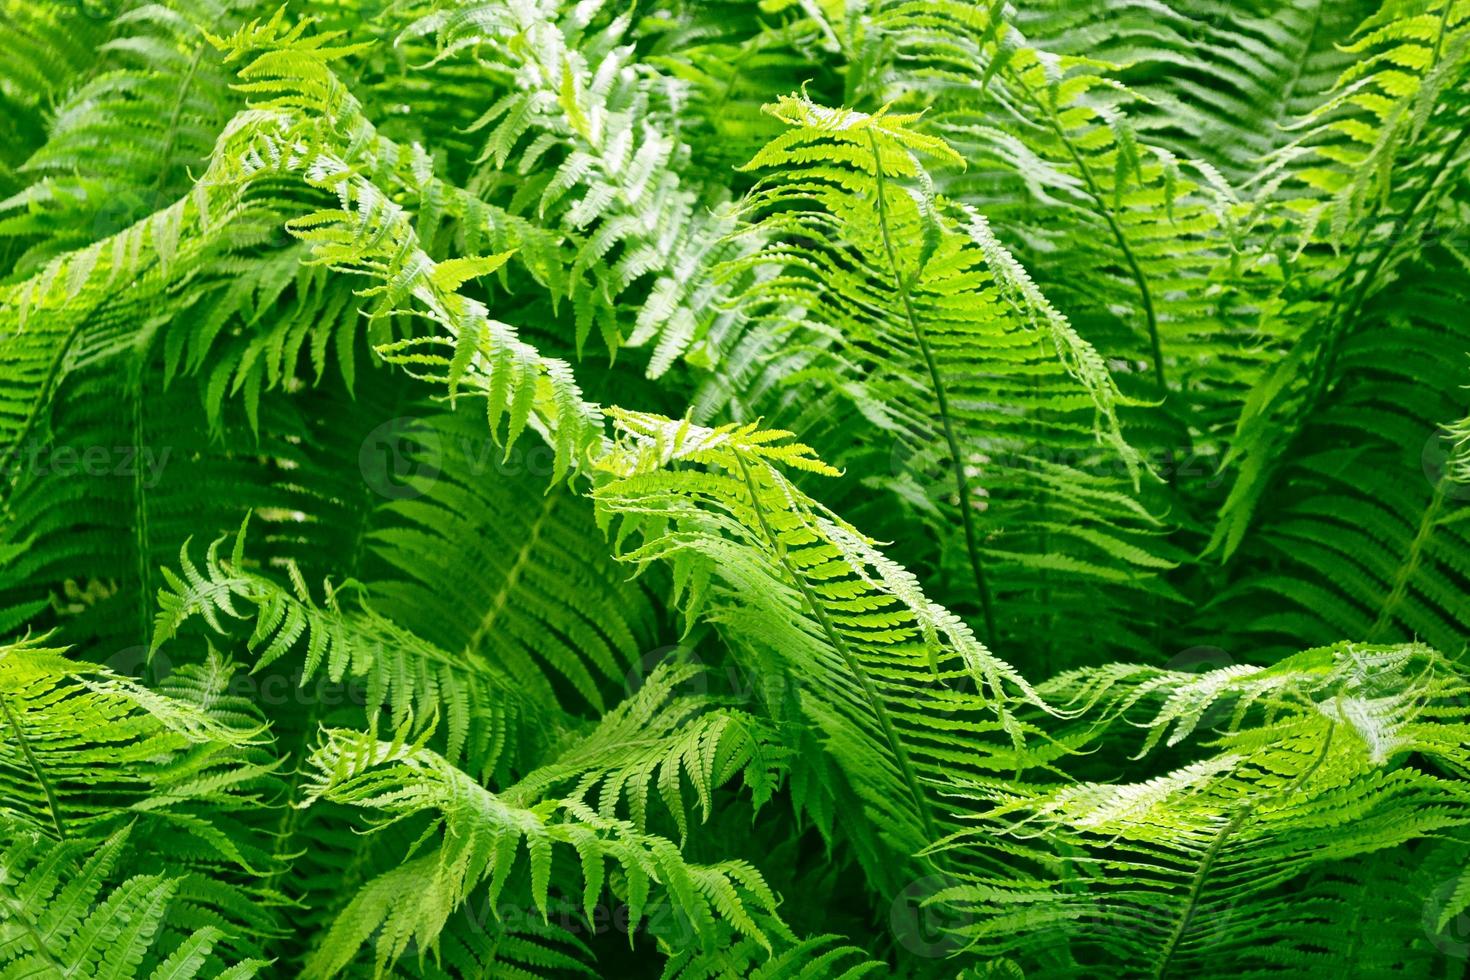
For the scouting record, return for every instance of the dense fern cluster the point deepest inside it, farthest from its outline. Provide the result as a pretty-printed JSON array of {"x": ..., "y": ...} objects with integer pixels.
[{"x": 723, "y": 489}]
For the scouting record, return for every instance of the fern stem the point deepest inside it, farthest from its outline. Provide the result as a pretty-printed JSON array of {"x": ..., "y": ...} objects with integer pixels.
[
  {"x": 905, "y": 767},
  {"x": 497, "y": 606},
  {"x": 1196, "y": 885},
  {"x": 1283, "y": 103},
  {"x": 18, "y": 913},
  {"x": 1339, "y": 327},
  {"x": 175, "y": 113},
  {"x": 941, "y": 397},
  {"x": 1324, "y": 365},
  {"x": 25, "y": 749},
  {"x": 1212, "y": 853},
  {"x": 1410, "y": 564},
  {"x": 1150, "y": 316}
]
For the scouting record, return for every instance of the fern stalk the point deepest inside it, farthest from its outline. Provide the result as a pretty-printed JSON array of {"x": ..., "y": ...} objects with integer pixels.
[
  {"x": 1145, "y": 294},
  {"x": 941, "y": 397},
  {"x": 52, "y": 806},
  {"x": 880, "y": 711}
]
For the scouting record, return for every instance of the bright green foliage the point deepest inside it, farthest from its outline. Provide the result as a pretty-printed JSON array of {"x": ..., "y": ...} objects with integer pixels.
[
  {"x": 787, "y": 489},
  {"x": 1301, "y": 777}
]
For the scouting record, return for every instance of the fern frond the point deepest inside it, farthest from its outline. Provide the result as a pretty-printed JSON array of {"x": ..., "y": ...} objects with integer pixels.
[
  {"x": 1220, "y": 83},
  {"x": 90, "y": 754},
  {"x": 1373, "y": 177},
  {"x": 122, "y": 145},
  {"x": 480, "y": 836},
  {"x": 590, "y": 141},
  {"x": 58, "y": 918},
  {"x": 912, "y": 300},
  {"x": 799, "y": 592},
  {"x": 655, "y": 739},
  {"x": 882, "y": 414},
  {"x": 404, "y": 675},
  {"x": 819, "y": 957},
  {"x": 1364, "y": 538},
  {"x": 1313, "y": 767},
  {"x": 522, "y": 388},
  {"x": 546, "y": 605}
]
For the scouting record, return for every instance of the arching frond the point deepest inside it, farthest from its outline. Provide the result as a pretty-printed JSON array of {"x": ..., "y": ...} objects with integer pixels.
[
  {"x": 402, "y": 673},
  {"x": 1373, "y": 177},
  {"x": 89, "y": 755},
  {"x": 1364, "y": 538},
  {"x": 61, "y": 920},
  {"x": 480, "y": 837},
  {"x": 1211, "y": 861},
  {"x": 591, "y": 143},
  {"x": 546, "y": 605},
  {"x": 656, "y": 739},
  {"x": 802, "y": 594},
  {"x": 122, "y": 145},
  {"x": 1222, "y": 82},
  {"x": 1006, "y": 420}
]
